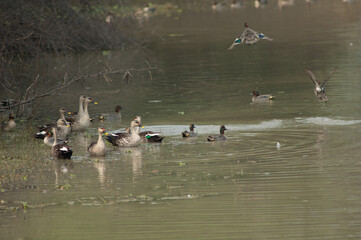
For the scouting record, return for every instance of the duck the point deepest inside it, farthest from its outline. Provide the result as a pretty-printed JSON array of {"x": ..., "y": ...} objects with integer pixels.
[
  {"x": 220, "y": 137},
  {"x": 49, "y": 139},
  {"x": 61, "y": 121},
  {"x": 98, "y": 148},
  {"x": 81, "y": 121},
  {"x": 256, "y": 98},
  {"x": 60, "y": 151},
  {"x": 216, "y": 6},
  {"x": 235, "y": 4},
  {"x": 285, "y": 3},
  {"x": 126, "y": 139},
  {"x": 319, "y": 89},
  {"x": 148, "y": 136},
  {"x": 249, "y": 36},
  {"x": 191, "y": 132},
  {"x": 148, "y": 9},
  {"x": 112, "y": 117},
  {"x": 62, "y": 127},
  {"x": 10, "y": 124},
  {"x": 260, "y": 3}
]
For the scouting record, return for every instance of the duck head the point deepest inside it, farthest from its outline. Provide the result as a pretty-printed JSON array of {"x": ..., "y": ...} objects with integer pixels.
[
  {"x": 91, "y": 100},
  {"x": 102, "y": 130},
  {"x": 11, "y": 116},
  {"x": 222, "y": 129},
  {"x": 192, "y": 127},
  {"x": 246, "y": 25},
  {"x": 255, "y": 93},
  {"x": 62, "y": 110},
  {"x": 135, "y": 123},
  {"x": 118, "y": 108},
  {"x": 61, "y": 122}
]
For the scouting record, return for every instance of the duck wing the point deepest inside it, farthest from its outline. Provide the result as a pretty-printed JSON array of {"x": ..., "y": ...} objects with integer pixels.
[
  {"x": 312, "y": 76},
  {"x": 329, "y": 76}
]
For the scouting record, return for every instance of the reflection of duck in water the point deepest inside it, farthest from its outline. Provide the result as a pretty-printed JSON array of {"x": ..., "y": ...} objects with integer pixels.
[
  {"x": 249, "y": 36},
  {"x": 10, "y": 124},
  {"x": 220, "y": 137},
  {"x": 100, "y": 166},
  {"x": 61, "y": 167},
  {"x": 319, "y": 89},
  {"x": 256, "y": 98},
  {"x": 191, "y": 132}
]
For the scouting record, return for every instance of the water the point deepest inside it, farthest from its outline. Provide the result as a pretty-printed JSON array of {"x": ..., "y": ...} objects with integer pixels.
[{"x": 244, "y": 188}]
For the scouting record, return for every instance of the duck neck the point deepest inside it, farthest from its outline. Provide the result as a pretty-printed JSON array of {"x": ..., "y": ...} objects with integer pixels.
[
  {"x": 55, "y": 137},
  {"x": 86, "y": 109},
  {"x": 81, "y": 108},
  {"x": 133, "y": 131},
  {"x": 100, "y": 138}
]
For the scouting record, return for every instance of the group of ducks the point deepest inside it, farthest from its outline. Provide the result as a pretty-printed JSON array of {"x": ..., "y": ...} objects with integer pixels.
[
  {"x": 55, "y": 134},
  {"x": 250, "y": 36}
]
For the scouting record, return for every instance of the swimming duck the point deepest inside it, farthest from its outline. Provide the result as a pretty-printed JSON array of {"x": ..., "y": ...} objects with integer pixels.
[
  {"x": 61, "y": 122},
  {"x": 319, "y": 89},
  {"x": 218, "y": 6},
  {"x": 98, "y": 148},
  {"x": 191, "y": 132},
  {"x": 148, "y": 9},
  {"x": 148, "y": 136},
  {"x": 49, "y": 139},
  {"x": 285, "y": 3},
  {"x": 112, "y": 117},
  {"x": 249, "y": 37},
  {"x": 261, "y": 98},
  {"x": 260, "y": 3},
  {"x": 235, "y": 4},
  {"x": 60, "y": 151},
  {"x": 125, "y": 139},
  {"x": 10, "y": 124},
  {"x": 81, "y": 121},
  {"x": 220, "y": 137}
]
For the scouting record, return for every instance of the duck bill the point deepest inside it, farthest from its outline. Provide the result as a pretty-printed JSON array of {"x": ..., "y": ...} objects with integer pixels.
[{"x": 94, "y": 102}]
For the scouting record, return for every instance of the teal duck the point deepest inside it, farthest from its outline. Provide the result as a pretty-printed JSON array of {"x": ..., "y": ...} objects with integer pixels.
[
  {"x": 10, "y": 124},
  {"x": 235, "y": 4},
  {"x": 125, "y": 139},
  {"x": 220, "y": 137},
  {"x": 216, "y": 6},
  {"x": 256, "y": 98},
  {"x": 98, "y": 148},
  {"x": 191, "y": 132},
  {"x": 112, "y": 117},
  {"x": 148, "y": 136},
  {"x": 260, "y": 3},
  {"x": 60, "y": 151},
  {"x": 249, "y": 37},
  {"x": 319, "y": 89}
]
